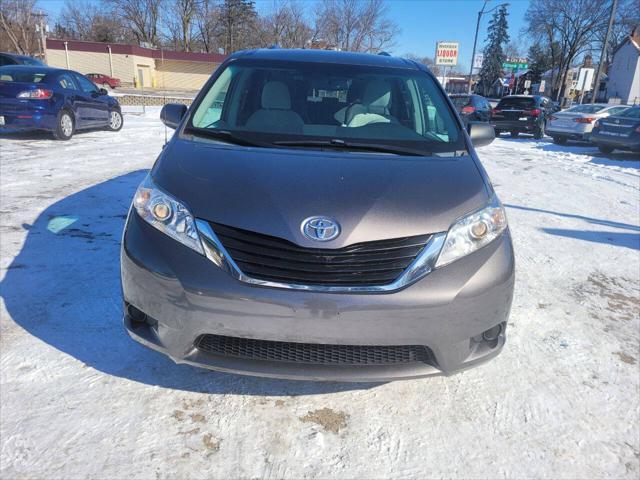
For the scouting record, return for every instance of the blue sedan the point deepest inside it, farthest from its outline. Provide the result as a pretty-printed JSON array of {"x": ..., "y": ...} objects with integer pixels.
[{"x": 54, "y": 100}]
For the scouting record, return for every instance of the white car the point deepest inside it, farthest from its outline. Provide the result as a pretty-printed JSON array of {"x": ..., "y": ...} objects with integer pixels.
[{"x": 576, "y": 123}]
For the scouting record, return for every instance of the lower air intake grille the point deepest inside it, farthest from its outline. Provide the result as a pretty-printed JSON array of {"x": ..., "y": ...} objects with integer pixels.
[{"x": 312, "y": 353}]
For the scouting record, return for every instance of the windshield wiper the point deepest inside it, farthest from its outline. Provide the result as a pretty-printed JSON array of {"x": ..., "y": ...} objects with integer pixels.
[
  {"x": 342, "y": 145},
  {"x": 225, "y": 136}
]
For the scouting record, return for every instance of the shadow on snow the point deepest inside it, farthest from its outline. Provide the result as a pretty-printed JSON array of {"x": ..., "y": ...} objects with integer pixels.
[
  {"x": 620, "y": 239},
  {"x": 64, "y": 288}
]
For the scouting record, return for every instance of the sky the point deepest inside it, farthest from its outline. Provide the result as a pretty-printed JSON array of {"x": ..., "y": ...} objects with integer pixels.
[{"x": 422, "y": 23}]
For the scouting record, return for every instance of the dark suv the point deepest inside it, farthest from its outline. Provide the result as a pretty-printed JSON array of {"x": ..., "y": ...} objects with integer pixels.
[
  {"x": 15, "y": 59},
  {"x": 471, "y": 108},
  {"x": 522, "y": 114}
]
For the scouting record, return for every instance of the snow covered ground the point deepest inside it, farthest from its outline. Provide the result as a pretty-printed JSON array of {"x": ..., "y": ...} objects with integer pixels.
[{"x": 79, "y": 399}]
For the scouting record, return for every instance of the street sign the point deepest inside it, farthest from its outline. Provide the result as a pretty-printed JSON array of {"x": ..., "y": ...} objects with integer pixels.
[
  {"x": 477, "y": 61},
  {"x": 542, "y": 85},
  {"x": 527, "y": 83},
  {"x": 585, "y": 80},
  {"x": 447, "y": 53},
  {"x": 514, "y": 64}
]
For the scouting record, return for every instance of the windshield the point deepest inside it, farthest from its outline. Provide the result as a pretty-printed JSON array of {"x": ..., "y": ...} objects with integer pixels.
[
  {"x": 30, "y": 61},
  {"x": 277, "y": 102},
  {"x": 586, "y": 108},
  {"x": 461, "y": 102},
  {"x": 18, "y": 74}
]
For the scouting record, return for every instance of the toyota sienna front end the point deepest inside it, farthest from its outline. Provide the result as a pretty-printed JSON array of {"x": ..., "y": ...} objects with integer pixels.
[{"x": 319, "y": 215}]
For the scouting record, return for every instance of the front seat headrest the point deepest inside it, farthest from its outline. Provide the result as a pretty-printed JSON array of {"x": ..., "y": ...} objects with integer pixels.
[
  {"x": 377, "y": 96},
  {"x": 275, "y": 96}
]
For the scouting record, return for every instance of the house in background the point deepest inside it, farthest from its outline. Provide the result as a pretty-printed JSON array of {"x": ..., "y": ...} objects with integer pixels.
[
  {"x": 623, "y": 85},
  {"x": 133, "y": 65}
]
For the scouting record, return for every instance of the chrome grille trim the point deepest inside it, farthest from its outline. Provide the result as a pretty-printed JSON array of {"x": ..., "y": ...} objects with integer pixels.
[{"x": 422, "y": 265}]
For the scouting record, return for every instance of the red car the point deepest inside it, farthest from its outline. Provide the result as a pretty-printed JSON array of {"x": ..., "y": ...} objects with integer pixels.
[{"x": 103, "y": 80}]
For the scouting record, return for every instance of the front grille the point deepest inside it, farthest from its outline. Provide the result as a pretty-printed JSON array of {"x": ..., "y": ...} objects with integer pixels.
[
  {"x": 312, "y": 353},
  {"x": 275, "y": 259}
]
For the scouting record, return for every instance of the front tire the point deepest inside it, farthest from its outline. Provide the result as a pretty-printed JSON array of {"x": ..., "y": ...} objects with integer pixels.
[
  {"x": 497, "y": 132},
  {"x": 115, "y": 121},
  {"x": 605, "y": 148},
  {"x": 65, "y": 127},
  {"x": 514, "y": 134},
  {"x": 560, "y": 140}
]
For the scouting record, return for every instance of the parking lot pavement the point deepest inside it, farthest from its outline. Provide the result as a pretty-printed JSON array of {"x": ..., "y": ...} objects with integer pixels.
[{"x": 80, "y": 399}]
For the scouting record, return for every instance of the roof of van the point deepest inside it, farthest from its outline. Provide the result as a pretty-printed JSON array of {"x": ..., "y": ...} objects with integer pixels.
[{"x": 328, "y": 56}]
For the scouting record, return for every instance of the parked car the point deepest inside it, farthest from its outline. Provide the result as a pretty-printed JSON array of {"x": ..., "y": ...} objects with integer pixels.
[
  {"x": 104, "y": 81},
  {"x": 15, "y": 59},
  {"x": 522, "y": 114},
  {"x": 471, "y": 108},
  {"x": 54, "y": 100},
  {"x": 576, "y": 123},
  {"x": 620, "y": 131},
  {"x": 308, "y": 219}
]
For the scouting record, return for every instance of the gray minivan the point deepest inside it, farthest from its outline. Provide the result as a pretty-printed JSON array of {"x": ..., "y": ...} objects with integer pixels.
[{"x": 319, "y": 215}]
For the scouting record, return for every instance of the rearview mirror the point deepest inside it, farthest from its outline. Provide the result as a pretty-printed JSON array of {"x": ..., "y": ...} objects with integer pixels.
[
  {"x": 172, "y": 113},
  {"x": 481, "y": 134}
]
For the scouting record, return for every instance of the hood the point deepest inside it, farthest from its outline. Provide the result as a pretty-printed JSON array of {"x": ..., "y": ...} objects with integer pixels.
[{"x": 271, "y": 191}]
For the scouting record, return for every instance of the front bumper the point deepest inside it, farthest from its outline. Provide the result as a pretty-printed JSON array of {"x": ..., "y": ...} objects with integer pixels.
[{"x": 185, "y": 295}]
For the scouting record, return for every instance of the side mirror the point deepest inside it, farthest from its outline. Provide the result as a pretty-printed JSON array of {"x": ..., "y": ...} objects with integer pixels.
[
  {"x": 481, "y": 134},
  {"x": 172, "y": 113},
  {"x": 102, "y": 91}
]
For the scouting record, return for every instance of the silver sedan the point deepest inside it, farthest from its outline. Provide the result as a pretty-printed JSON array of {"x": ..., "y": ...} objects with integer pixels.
[{"x": 576, "y": 123}]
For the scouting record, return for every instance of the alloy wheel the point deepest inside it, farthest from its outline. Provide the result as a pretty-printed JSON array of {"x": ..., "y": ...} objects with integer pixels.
[
  {"x": 115, "y": 120},
  {"x": 66, "y": 124}
]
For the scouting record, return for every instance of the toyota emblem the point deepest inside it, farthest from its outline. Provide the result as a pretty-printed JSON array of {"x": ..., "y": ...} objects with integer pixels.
[{"x": 321, "y": 229}]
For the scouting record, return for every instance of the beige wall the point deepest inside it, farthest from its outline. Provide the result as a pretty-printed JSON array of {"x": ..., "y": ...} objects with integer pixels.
[
  {"x": 93, "y": 62},
  {"x": 167, "y": 74},
  {"x": 183, "y": 75}
]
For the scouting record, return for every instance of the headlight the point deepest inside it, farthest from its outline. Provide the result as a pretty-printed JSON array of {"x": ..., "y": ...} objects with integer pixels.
[
  {"x": 473, "y": 232},
  {"x": 166, "y": 214}
]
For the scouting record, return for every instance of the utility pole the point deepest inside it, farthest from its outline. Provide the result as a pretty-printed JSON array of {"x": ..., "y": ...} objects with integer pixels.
[
  {"x": 596, "y": 85},
  {"x": 475, "y": 38},
  {"x": 41, "y": 28},
  {"x": 475, "y": 42}
]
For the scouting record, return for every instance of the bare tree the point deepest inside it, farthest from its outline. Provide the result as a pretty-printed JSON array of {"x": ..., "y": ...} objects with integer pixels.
[
  {"x": 18, "y": 20},
  {"x": 238, "y": 25},
  {"x": 207, "y": 24},
  {"x": 627, "y": 17},
  {"x": 427, "y": 61},
  {"x": 572, "y": 25},
  {"x": 361, "y": 26},
  {"x": 142, "y": 16},
  {"x": 513, "y": 50},
  {"x": 86, "y": 21},
  {"x": 286, "y": 25},
  {"x": 180, "y": 21}
]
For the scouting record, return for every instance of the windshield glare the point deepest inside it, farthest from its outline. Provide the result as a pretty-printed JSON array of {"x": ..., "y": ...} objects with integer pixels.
[{"x": 294, "y": 101}]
